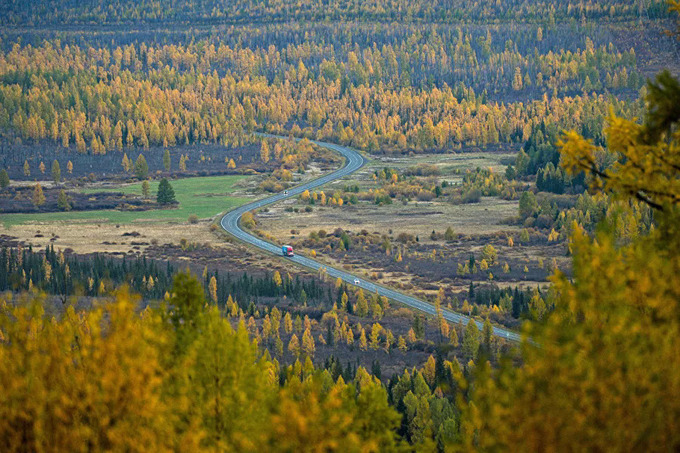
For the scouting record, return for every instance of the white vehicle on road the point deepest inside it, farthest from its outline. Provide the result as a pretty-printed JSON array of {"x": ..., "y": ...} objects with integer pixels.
[{"x": 357, "y": 281}]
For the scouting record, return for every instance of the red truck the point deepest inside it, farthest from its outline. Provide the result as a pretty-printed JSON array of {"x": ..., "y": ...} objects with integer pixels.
[{"x": 287, "y": 250}]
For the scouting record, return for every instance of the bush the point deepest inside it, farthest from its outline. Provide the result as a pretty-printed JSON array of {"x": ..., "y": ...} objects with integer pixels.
[
  {"x": 472, "y": 196},
  {"x": 247, "y": 220},
  {"x": 405, "y": 238},
  {"x": 193, "y": 219},
  {"x": 424, "y": 195}
]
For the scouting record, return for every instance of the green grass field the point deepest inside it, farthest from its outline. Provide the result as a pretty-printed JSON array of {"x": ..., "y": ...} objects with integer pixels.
[{"x": 204, "y": 197}]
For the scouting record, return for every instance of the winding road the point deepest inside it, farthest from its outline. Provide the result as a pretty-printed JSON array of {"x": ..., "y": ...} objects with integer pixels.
[{"x": 354, "y": 161}]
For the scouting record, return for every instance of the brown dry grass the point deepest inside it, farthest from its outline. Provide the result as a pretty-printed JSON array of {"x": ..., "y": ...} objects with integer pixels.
[
  {"x": 92, "y": 237},
  {"x": 415, "y": 218}
]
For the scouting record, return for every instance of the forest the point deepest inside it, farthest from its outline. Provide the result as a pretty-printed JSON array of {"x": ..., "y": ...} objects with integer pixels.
[
  {"x": 552, "y": 125},
  {"x": 46, "y": 12}
]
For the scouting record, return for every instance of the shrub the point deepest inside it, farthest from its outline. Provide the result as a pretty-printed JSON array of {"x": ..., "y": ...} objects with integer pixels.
[
  {"x": 405, "y": 237},
  {"x": 472, "y": 196},
  {"x": 424, "y": 195},
  {"x": 193, "y": 219}
]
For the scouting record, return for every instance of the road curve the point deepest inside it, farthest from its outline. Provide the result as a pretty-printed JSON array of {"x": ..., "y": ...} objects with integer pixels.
[{"x": 354, "y": 161}]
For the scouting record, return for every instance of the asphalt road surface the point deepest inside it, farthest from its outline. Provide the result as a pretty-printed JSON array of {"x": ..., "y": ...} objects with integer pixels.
[{"x": 354, "y": 161}]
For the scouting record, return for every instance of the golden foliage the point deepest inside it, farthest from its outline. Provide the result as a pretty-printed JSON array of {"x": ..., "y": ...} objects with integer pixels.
[
  {"x": 647, "y": 172},
  {"x": 99, "y": 386},
  {"x": 602, "y": 372}
]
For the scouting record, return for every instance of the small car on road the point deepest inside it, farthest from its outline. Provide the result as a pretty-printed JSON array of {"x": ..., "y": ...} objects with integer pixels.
[{"x": 357, "y": 281}]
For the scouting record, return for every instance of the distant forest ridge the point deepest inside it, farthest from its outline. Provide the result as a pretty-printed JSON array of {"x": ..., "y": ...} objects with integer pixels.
[{"x": 196, "y": 12}]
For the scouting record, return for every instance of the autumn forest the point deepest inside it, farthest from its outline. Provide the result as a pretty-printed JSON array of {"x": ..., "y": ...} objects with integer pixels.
[{"x": 518, "y": 200}]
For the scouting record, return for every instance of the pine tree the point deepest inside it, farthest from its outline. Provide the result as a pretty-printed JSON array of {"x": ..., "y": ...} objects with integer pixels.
[
  {"x": 141, "y": 167},
  {"x": 401, "y": 344},
  {"x": 294, "y": 345},
  {"x": 62, "y": 201},
  {"x": 517, "y": 80},
  {"x": 27, "y": 169},
  {"x": 363, "y": 344},
  {"x": 376, "y": 330},
  {"x": 278, "y": 347},
  {"x": 343, "y": 301},
  {"x": 471, "y": 341},
  {"x": 411, "y": 335},
  {"x": 453, "y": 337},
  {"x": 308, "y": 346},
  {"x": 225, "y": 370},
  {"x": 165, "y": 195},
  {"x": 490, "y": 254},
  {"x": 4, "y": 179},
  {"x": 69, "y": 167},
  {"x": 212, "y": 289},
  {"x": 42, "y": 168},
  {"x": 527, "y": 204},
  {"x": 524, "y": 236},
  {"x": 126, "y": 163},
  {"x": 56, "y": 172},
  {"x": 38, "y": 195},
  {"x": 264, "y": 151},
  {"x": 146, "y": 189},
  {"x": 287, "y": 323},
  {"x": 349, "y": 337},
  {"x": 487, "y": 337},
  {"x": 362, "y": 304},
  {"x": 166, "y": 160}
]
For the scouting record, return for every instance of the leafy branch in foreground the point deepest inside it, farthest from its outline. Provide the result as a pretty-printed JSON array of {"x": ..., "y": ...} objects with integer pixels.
[
  {"x": 646, "y": 157},
  {"x": 606, "y": 376}
]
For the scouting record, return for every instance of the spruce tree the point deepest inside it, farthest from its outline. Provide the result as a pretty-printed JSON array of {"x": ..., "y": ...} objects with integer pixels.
[{"x": 166, "y": 195}]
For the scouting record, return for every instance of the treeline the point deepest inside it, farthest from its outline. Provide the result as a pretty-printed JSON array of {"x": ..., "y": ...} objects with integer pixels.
[
  {"x": 101, "y": 99},
  {"x": 57, "y": 273},
  {"x": 215, "y": 12}
]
